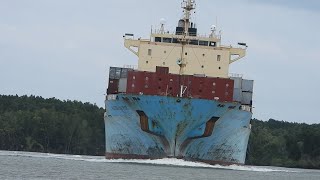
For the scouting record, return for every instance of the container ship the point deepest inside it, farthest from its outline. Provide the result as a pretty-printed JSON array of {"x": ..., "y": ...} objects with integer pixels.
[{"x": 180, "y": 101}]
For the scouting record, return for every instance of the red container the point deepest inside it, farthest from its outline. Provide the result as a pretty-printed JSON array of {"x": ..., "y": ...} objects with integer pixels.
[
  {"x": 135, "y": 82},
  {"x": 186, "y": 81},
  {"x": 150, "y": 83},
  {"x": 161, "y": 83}
]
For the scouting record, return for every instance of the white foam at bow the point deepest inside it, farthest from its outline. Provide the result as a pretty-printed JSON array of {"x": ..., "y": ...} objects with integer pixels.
[{"x": 166, "y": 161}]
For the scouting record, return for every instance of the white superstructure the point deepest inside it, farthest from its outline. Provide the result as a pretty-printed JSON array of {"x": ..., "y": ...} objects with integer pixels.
[{"x": 185, "y": 52}]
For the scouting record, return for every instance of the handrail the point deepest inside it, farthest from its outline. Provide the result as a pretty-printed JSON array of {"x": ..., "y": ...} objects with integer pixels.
[
  {"x": 235, "y": 75},
  {"x": 130, "y": 66},
  {"x": 159, "y": 31}
]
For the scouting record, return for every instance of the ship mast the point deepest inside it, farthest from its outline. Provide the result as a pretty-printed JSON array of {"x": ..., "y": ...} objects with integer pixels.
[{"x": 187, "y": 6}]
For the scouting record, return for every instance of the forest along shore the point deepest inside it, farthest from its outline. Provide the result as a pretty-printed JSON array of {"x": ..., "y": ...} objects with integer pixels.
[{"x": 33, "y": 123}]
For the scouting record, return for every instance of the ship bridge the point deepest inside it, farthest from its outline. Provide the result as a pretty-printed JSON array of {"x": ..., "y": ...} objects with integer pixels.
[{"x": 185, "y": 52}]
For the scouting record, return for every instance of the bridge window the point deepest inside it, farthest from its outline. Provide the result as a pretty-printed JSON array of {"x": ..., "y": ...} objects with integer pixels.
[
  {"x": 213, "y": 44},
  {"x": 157, "y": 39},
  {"x": 203, "y": 43},
  {"x": 194, "y": 42},
  {"x": 167, "y": 40},
  {"x": 175, "y": 40}
]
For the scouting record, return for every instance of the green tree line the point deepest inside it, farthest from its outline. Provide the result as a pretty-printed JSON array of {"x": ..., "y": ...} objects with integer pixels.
[
  {"x": 50, "y": 125},
  {"x": 32, "y": 123},
  {"x": 279, "y": 143}
]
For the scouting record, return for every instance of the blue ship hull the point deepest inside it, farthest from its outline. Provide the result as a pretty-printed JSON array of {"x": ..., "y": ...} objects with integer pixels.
[{"x": 152, "y": 127}]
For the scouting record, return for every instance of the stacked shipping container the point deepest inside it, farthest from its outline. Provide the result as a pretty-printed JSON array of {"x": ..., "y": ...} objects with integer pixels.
[
  {"x": 123, "y": 80},
  {"x": 118, "y": 80},
  {"x": 243, "y": 90},
  {"x": 126, "y": 80},
  {"x": 149, "y": 83}
]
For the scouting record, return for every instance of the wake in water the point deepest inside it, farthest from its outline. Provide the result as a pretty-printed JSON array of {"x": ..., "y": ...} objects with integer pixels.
[{"x": 166, "y": 161}]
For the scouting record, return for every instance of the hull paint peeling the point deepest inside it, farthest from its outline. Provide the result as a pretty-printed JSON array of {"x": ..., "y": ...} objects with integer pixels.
[{"x": 153, "y": 127}]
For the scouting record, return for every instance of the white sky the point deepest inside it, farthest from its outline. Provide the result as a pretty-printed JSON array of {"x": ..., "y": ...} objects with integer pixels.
[{"x": 63, "y": 48}]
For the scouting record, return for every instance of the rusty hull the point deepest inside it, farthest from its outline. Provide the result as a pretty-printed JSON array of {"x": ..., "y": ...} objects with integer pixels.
[{"x": 154, "y": 126}]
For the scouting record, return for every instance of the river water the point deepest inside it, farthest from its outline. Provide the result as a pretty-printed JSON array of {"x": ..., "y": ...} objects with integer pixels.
[{"x": 26, "y": 165}]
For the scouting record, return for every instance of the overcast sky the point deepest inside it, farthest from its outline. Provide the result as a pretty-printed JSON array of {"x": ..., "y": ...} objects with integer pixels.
[{"x": 63, "y": 48}]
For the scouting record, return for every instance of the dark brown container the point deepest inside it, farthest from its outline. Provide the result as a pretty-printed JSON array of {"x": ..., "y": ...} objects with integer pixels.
[
  {"x": 113, "y": 86},
  {"x": 162, "y": 70}
]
